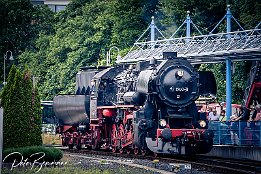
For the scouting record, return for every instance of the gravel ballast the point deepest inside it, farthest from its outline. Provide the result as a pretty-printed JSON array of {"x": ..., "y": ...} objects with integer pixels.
[{"x": 119, "y": 165}]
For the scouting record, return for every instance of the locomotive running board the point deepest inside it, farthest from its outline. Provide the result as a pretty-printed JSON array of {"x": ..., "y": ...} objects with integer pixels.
[{"x": 158, "y": 146}]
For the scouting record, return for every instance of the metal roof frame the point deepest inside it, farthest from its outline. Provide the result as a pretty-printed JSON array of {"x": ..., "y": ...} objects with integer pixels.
[{"x": 211, "y": 48}]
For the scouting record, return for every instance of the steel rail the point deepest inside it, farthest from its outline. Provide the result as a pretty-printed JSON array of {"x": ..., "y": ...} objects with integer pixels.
[{"x": 211, "y": 164}]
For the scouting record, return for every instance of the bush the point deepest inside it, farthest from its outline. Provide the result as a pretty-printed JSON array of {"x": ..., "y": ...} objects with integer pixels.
[
  {"x": 63, "y": 170},
  {"x": 51, "y": 154},
  {"x": 22, "y": 111}
]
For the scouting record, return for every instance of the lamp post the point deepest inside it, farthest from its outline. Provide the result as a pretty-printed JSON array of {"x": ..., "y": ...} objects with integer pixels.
[
  {"x": 108, "y": 61},
  {"x": 5, "y": 58}
]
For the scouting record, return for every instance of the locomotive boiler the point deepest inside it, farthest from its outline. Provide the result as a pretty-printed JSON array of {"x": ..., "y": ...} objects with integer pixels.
[{"x": 138, "y": 108}]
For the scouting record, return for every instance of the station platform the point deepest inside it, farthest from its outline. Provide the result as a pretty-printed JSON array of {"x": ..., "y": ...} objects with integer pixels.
[
  {"x": 242, "y": 142},
  {"x": 236, "y": 152}
]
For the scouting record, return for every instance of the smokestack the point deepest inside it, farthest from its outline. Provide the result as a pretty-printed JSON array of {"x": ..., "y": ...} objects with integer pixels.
[{"x": 169, "y": 55}]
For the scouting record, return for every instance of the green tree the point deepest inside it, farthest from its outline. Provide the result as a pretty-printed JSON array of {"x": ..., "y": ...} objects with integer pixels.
[
  {"x": 207, "y": 13},
  {"x": 82, "y": 35},
  {"x": 31, "y": 109},
  {"x": 20, "y": 25},
  {"x": 13, "y": 114},
  {"x": 239, "y": 79},
  {"x": 21, "y": 111},
  {"x": 15, "y": 20},
  {"x": 36, "y": 121},
  {"x": 6, "y": 102},
  {"x": 249, "y": 12},
  {"x": 6, "y": 91},
  {"x": 42, "y": 20}
]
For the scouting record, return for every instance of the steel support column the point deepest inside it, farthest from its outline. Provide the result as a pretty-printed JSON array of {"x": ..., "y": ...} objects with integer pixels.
[
  {"x": 228, "y": 70},
  {"x": 228, "y": 88},
  {"x": 152, "y": 30},
  {"x": 188, "y": 27}
]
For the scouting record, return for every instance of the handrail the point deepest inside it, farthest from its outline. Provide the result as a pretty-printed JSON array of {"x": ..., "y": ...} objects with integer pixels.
[{"x": 244, "y": 133}]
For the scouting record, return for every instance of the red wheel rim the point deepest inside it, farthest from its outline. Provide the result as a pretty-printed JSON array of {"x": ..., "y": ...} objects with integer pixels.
[
  {"x": 114, "y": 149},
  {"x": 143, "y": 152},
  {"x": 114, "y": 140},
  {"x": 121, "y": 151},
  {"x": 136, "y": 151}
]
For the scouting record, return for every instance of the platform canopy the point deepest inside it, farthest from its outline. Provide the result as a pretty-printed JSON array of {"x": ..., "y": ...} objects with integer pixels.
[{"x": 212, "y": 48}]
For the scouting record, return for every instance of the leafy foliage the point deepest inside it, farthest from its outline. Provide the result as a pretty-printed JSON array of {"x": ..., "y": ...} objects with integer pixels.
[
  {"x": 55, "y": 46},
  {"x": 207, "y": 13},
  {"x": 51, "y": 154},
  {"x": 22, "y": 117},
  {"x": 15, "y": 25},
  {"x": 82, "y": 35},
  {"x": 239, "y": 79},
  {"x": 20, "y": 25}
]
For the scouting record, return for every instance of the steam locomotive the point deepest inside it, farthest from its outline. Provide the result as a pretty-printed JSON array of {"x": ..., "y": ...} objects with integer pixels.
[{"x": 138, "y": 108}]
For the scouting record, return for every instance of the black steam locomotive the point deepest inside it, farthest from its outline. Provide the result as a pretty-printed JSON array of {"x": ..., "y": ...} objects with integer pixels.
[{"x": 138, "y": 108}]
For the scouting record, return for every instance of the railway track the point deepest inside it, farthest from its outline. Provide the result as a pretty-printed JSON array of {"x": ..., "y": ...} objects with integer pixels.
[
  {"x": 204, "y": 163},
  {"x": 246, "y": 166}
]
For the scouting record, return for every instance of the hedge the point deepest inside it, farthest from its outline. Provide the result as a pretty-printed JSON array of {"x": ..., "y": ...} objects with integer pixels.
[{"x": 51, "y": 154}]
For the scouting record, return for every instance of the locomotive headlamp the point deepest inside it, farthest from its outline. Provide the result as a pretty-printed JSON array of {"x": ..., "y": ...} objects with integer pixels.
[
  {"x": 180, "y": 73},
  {"x": 162, "y": 122},
  {"x": 202, "y": 123}
]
